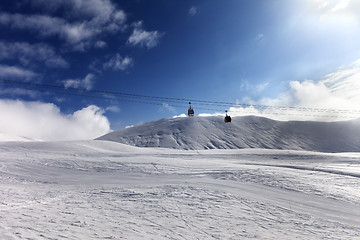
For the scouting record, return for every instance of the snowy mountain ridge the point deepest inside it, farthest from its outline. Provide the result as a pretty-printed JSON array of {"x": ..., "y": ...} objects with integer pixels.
[
  {"x": 6, "y": 137},
  {"x": 243, "y": 132}
]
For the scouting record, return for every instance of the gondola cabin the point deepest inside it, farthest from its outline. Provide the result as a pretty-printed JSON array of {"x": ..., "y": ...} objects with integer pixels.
[
  {"x": 227, "y": 118},
  {"x": 190, "y": 111}
]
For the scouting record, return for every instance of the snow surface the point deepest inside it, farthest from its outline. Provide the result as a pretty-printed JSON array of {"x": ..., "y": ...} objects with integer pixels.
[
  {"x": 243, "y": 132},
  {"x": 5, "y": 137},
  {"x": 107, "y": 190}
]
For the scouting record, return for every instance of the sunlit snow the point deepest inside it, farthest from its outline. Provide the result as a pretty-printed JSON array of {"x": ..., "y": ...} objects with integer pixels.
[
  {"x": 107, "y": 190},
  {"x": 243, "y": 132}
]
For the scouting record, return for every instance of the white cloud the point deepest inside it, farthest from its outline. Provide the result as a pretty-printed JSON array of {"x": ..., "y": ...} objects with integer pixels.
[
  {"x": 100, "y": 44},
  {"x": 210, "y": 114},
  {"x": 19, "y": 92},
  {"x": 77, "y": 32},
  {"x": 140, "y": 37},
  {"x": 11, "y": 72},
  {"x": 82, "y": 25},
  {"x": 322, "y": 5},
  {"x": 257, "y": 88},
  {"x": 95, "y": 10},
  {"x": 50, "y": 26},
  {"x": 233, "y": 112},
  {"x": 261, "y": 86},
  {"x": 60, "y": 99},
  {"x": 86, "y": 82},
  {"x": 344, "y": 85},
  {"x": 118, "y": 63},
  {"x": 44, "y": 121},
  {"x": 329, "y": 8},
  {"x": 259, "y": 37},
  {"x": 243, "y": 111},
  {"x": 192, "y": 11},
  {"x": 167, "y": 108},
  {"x": 334, "y": 97},
  {"x": 342, "y": 4},
  {"x": 309, "y": 93},
  {"x": 28, "y": 53},
  {"x": 180, "y": 116},
  {"x": 337, "y": 90},
  {"x": 114, "y": 109}
]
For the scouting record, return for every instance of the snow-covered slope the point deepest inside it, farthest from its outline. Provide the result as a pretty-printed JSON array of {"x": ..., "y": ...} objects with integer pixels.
[
  {"x": 242, "y": 132},
  {"x": 107, "y": 190},
  {"x": 5, "y": 137}
]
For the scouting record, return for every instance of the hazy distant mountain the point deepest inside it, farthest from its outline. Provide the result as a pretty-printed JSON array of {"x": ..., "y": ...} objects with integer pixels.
[{"x": 242, "y": 132}]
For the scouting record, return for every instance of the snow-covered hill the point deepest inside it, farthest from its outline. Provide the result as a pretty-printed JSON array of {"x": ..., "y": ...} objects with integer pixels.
[
  {"x": 6, "y": 137},
  {"x": 243, "y": 132}
]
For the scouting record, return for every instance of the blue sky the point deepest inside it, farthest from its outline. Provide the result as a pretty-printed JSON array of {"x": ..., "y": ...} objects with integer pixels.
[{"x": 270, "y": 52}]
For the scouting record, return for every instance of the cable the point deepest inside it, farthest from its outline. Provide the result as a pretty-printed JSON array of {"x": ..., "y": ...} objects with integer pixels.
[{"x": 156, "y": 100}]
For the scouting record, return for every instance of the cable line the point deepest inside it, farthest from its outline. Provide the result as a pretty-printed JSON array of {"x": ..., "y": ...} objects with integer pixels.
[{"x": 173, "y": 102}]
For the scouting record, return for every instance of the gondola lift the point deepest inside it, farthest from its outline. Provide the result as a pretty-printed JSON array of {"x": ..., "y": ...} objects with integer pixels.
[
  {"x": 227, "y": 117},
  {"x": 190, "y": 111}
]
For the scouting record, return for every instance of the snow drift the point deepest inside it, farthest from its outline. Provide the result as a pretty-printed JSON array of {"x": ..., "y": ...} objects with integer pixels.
[{"x": 243, "y": 132}]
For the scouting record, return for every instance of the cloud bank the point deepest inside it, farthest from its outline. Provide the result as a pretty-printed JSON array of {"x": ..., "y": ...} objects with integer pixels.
[
  {"x": 334, "y": 97},
  {"x": 45, "y": 121},
  {"x": 82, "y": 23}
]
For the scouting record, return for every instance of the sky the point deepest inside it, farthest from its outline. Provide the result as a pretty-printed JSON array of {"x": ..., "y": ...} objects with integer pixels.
[{"x": 272, "y": 53}]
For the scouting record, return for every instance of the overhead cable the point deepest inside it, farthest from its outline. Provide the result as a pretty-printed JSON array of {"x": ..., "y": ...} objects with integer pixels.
[{"x": 171, "y": 101}]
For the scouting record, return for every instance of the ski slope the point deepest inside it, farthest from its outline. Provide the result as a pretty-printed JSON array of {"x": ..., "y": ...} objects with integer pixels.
[
  {"x": 243, "y": 132},
  {"x": 107, "y": 190}
]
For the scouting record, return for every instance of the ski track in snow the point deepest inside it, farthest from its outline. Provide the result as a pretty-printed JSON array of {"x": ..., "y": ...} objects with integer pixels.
[{"x": 107, "y": 190}]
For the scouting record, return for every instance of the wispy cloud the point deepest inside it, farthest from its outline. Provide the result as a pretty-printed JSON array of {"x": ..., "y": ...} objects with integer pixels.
[
  {"x": 44, "y": 121},
  {"x": 14, "y": 72},
  {"x": 140, "y": 37},
  {"x": 100, "y": 44},
  {"x": 342, "y": 4},
  {"x": 167, "y": 108},
  {"x": 336, "y": 96},
  {"x": 344, "y": 83},
  {"x": 27, "y": 54},
  {"x": 99, "y": 11},
  {"x": 337, "y": 90},
  {"x": 259, "y": 37},
  {"x": 114, "y": 109},
  {"x": 192, "y": 11},
  {"x": 81, "y": 27},
  {"x": 328, "y": 8},
  {"x": 253, "y": 88},
  {"x": 13, "y": 91},
  {"x": 118, "y": 63},
  {"x": 48, "y": 26},
  {"x": 86, "y": 83}
]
